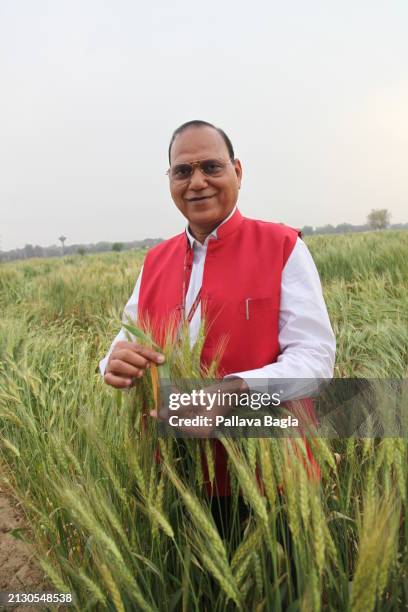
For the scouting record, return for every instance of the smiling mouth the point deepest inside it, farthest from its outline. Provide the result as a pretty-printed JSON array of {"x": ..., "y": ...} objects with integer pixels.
[{"x": 200, "y": 199}]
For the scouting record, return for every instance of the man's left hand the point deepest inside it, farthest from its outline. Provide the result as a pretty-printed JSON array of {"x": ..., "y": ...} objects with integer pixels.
[{"x": 206, "y": 406}]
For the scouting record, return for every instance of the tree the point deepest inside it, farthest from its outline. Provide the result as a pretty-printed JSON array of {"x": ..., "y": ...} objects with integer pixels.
[
  {"x": 117, "y": 246},
  {"x": 379, "y": 218},
  {"x": 343, "y": 228},
  {"x": 62, "y": 240},
  {"x": 307, "y": 230},
  {"x": 81, "y": 250},
  {"x": 28, "y": 251},
  {"x": 325, "y": 229},
  {"x": 38, "y": 251}
]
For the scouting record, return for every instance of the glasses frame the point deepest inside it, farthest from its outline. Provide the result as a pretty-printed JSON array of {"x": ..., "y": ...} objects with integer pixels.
[{"x": 197, "y": 164}]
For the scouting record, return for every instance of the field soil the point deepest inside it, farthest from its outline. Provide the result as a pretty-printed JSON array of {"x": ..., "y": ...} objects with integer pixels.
[{"x": 18, "y": 569}]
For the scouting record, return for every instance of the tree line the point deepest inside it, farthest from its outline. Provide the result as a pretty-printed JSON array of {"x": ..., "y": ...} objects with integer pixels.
[
  {"x": 344, "y": 228},
  {"x": 29, "y": 250},
  {"x": 377, "y": 219}
]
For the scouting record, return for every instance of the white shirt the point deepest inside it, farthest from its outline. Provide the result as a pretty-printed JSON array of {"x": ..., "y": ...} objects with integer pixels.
[{"x": 306, "y": 340}]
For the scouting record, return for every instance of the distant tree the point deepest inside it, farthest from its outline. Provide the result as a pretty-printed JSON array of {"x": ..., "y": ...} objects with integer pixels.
[
  {"x": 379, "y": 218},
  {"x": 29, "y": 251},
  {"x": 117, "y": 246},
  {"x": 62, "y": 240},
  {"x": 343, "y": 228},
  {"x": 81, "y": 250},
  {"x": 307, "y": 230},
  {"x": 399, "y": 226},
  {"x": 100, "y": 247},
  {"x": 325, "y": 229}
]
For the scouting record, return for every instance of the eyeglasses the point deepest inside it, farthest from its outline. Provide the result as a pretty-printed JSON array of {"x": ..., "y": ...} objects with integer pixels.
[{"x": 209, "y": 167}]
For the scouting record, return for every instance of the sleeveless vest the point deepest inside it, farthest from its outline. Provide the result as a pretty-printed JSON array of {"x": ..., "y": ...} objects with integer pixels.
[{"x": 240, "y": 299}]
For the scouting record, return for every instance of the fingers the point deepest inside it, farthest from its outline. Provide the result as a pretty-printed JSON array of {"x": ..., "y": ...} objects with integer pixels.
[
  {"x": 150, "y": 354},
  {"x": 120, "y": 374},
  {"x": 129, "y": 361},
  {"x": 121, "y": 367},
  {"x": 118, "y": 382},
  {"x": 133, "y": 348}
]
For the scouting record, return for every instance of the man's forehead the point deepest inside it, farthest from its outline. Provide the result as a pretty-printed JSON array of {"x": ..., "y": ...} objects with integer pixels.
[{"x": 198, "y": 143}]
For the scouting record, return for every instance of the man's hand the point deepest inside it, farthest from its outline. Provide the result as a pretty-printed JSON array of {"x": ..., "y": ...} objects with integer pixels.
[
  {"x": 128, "y": 362},
  {"x": 208, "y": 412}
]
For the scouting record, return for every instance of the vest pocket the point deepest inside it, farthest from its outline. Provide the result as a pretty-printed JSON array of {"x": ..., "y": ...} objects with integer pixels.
[
  {"x": 254, "y": 307},
  {"x": 251, "y": 342}
]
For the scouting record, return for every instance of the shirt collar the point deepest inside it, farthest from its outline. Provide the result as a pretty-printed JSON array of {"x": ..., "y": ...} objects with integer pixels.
[{"x": 213, "y": 234}]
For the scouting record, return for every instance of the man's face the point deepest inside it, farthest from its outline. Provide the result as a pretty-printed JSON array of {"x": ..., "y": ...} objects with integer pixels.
[{"x": 204, "y": 200}]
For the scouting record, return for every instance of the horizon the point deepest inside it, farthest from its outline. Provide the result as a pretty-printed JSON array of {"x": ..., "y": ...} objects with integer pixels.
[
  {"x": 119, "y": 240},
  {"x": 314, "y": 106},
  {"x": 316, "y": 230}
]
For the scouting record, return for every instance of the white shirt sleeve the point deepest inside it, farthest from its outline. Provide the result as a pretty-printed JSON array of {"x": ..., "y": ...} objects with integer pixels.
[
  {"x": 129, "y": 313},
  {"x": 306, "y": 339}
]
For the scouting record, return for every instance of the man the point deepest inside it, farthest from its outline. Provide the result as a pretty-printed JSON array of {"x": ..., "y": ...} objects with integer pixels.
[{"x": 255, "y": 280}]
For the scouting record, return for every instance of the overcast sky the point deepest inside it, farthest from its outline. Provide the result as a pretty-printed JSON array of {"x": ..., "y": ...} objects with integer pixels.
[{"x": 314, "y": 96}]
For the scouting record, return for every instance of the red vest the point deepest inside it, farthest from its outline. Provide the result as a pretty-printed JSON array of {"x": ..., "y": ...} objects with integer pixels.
[{"x": 240, "y": 296}]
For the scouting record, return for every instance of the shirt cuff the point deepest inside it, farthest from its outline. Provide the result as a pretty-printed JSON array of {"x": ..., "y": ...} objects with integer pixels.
[
  {"x": 254, "y": 379},
  {"x": 102, "y": 365},
  {"x": 287, "y": 388}
]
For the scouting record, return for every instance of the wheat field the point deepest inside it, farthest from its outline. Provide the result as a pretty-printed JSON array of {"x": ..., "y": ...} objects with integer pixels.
[{"x": 121, "y": 531}]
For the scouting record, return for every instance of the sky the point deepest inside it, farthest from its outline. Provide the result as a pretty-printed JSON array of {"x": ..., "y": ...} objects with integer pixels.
[{"x": 314, "y": 96}]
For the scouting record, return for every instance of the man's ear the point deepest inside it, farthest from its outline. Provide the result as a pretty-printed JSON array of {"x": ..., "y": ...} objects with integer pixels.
[{"x": 238, "y": 170}]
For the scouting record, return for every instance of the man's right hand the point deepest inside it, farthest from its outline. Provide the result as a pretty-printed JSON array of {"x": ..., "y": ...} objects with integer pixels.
[{"x": 128, "y": 362}]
